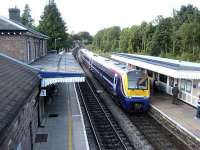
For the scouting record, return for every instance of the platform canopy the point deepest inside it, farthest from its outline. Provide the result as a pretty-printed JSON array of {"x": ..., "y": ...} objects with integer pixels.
[
  {"x": 169, "y": 67},
  {"x": 59, "y": 68}
]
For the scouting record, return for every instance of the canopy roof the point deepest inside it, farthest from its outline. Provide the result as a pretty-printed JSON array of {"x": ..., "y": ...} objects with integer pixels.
[
  {"x": 170, "y": 67},
  {"x": 56, "y": 68}
]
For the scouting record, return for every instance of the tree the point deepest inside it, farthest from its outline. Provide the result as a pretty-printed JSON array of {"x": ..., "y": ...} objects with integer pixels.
[
  {"x": 53, "y": 25},
  {"x": 189, "y": 34},
  {"x": 174, "y": 37},
  {"x": 124, "y": 39},
  {"x": 107, "y": 39},
  {"x": 26, "y": 18},
  {"x": 85, "y": 37},
  {"x": 162, "y": 41}
]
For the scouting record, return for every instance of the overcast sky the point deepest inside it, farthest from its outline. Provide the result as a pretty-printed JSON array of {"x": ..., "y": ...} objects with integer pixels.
[{"x": 93, "y": 15}]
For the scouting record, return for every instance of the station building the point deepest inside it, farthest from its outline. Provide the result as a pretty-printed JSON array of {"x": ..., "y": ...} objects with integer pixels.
[
  {"x": 24, "y": 97},
  {"x": 19, "y": 95},
  {"x": 167, "y": 73},
  {"x": 19, "y": 41}
]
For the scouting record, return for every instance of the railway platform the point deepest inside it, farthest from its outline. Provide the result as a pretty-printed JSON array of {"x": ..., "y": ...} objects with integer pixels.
[
  {"x": 179, "y": 119},
  {"x": 63, "y": 123}
]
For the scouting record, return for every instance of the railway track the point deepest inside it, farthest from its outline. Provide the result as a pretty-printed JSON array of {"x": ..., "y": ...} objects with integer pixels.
[
  {"x": 157, "y": 135},
  {"x": 106, "y": 131}
]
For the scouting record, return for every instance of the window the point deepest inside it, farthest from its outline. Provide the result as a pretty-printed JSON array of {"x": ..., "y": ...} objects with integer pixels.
[
  {"x": 137, "y": 80},
  {"x": 150, "y": 73},
  {"x": 171, "y": 81},
  {"x": 182, "y": 85},
  {"x": 29, "y": 51},
  {"x": 188, "y": 86},
  {"x": 163, "y": 78}
]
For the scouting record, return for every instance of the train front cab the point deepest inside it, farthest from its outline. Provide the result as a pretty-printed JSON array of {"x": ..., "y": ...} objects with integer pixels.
[{"x": 137, "y": 97}]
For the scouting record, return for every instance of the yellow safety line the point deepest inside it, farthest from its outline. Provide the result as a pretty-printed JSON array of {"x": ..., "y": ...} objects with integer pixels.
[
  {"x": 69, "y": 115},
  {"x": 69, "y": 131}
]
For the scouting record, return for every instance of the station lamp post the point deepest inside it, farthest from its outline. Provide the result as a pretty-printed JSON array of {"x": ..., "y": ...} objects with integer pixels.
[{"x": 56, "y": 39}]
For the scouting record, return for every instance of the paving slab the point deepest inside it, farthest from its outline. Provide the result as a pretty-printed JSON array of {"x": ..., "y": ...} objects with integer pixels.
[
  {"x": 67, "y": 131},
  {"x": 181, "y": 116}
]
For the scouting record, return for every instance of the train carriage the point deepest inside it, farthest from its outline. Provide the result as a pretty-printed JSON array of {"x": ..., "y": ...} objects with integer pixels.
[{"x": 131, "y": 87}]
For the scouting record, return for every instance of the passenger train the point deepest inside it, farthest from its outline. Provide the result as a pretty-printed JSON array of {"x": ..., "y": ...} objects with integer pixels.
[{"x": 131, "y": 88}]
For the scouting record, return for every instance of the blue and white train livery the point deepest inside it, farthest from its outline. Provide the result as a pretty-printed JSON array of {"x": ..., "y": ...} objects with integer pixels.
[{"x": 130, "y": 86}]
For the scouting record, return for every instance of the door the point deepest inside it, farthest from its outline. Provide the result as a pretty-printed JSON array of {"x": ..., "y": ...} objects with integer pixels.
[
  {"x": 31, "y": 135},
  {"x": 29, "y": 51}
]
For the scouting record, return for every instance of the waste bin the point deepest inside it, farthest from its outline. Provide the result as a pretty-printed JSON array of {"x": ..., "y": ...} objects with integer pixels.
[{"x": 198, "y": 108}]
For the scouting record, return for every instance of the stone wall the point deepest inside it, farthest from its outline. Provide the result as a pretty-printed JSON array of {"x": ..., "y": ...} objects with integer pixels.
[{"x": 18, "y": 134}]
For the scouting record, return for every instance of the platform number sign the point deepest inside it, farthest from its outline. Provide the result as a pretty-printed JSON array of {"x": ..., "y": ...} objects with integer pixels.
[{"x": 43, "y": 92}]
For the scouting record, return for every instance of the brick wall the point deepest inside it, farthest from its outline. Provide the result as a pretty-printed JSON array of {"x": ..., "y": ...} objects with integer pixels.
[
  {"x": 37, "y": 48},
  {"x": 13, "y": 46},
  {"x": 18, "y": 133},
  {"x": 16, "y": 46}
]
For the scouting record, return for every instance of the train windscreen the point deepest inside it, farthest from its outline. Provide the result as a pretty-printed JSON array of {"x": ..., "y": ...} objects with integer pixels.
[{"x": 137, "y": 80}]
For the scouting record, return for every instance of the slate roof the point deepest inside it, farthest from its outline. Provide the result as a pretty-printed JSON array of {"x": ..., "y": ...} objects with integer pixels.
[
  {"x": 17, "y": 82},
  {"x": 9, "y": 25}
]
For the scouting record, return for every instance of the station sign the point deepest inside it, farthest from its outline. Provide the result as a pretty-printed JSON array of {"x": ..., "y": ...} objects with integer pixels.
[{"x": 43, "y": 92}]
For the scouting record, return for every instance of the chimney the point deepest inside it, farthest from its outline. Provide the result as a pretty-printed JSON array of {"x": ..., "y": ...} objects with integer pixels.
[{"x": 14, "y": 14}]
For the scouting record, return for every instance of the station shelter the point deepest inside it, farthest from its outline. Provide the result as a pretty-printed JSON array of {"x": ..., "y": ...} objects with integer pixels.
[
  {"x": 167, "y": 73},
  {"x": 56, "y": 68}
]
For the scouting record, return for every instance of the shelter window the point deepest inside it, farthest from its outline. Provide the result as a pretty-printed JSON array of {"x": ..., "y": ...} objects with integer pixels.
[
  {"x": 171, "y": 81},
  {"x": 188, "y": 86},
  {"x": 163, "y": 78},
  {"x": 150, "y": 73},
  {"x": 182, "y": 85}
]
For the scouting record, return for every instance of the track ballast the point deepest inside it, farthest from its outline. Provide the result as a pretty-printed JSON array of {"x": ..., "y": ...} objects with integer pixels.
[{"x": 106, "y": 131}]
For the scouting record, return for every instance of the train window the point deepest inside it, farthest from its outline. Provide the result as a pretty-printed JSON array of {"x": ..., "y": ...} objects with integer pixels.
[
  {"x": 137, "y": 80},
  {"x": 163, "y": 78}
]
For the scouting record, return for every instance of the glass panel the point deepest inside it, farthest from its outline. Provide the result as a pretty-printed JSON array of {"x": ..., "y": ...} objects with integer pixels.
[
  {"x": 163, "y": 78},
  {"x": 188, "y": 86},
  {"x": 150, "y": 73},
  {"x": 137, "y": 80},
  {"x": 171, "y": 81},
  {"x": 182, "y": 85}
]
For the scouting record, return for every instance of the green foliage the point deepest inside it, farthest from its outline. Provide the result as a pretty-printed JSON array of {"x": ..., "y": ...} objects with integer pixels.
[
  {"x": 85, "y": 37},
  {"x": 161, "y": 40},
  {"x": 26, "y": 18},
  {"x": 173, "y": 37},
  {"x": 107, "y": 39},
  {"x": 53, "y": 25}
]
